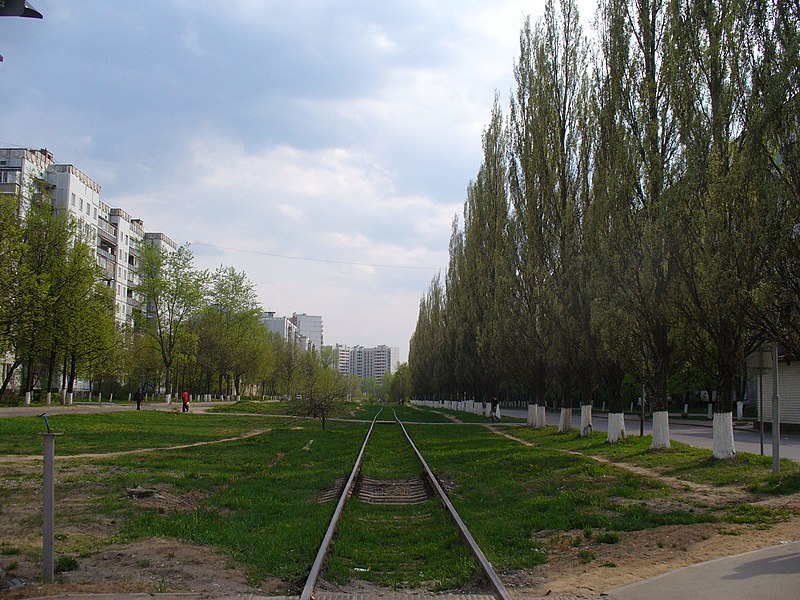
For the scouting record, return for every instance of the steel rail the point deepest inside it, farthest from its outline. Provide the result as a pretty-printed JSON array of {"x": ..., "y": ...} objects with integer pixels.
[
  {"x": 497, "y": 585},
  {"x": 316, "y": 568}
]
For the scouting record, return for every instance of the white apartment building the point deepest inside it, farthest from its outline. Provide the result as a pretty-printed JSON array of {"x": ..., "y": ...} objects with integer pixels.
[
  {"x": 342, "y": 354},
  {"x": 19, "y": 168},
  {"x": 280, "y": 325},
  {"x": 112, "y": 233},
  {"x": 311, "y": 327},
  {"x": 367, "y": 363}
]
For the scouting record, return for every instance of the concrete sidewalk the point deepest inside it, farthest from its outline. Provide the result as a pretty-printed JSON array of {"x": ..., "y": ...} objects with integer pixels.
[{"x": 767, "y": 574}]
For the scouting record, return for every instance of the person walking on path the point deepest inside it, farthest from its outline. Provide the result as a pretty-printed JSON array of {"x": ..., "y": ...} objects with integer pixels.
[
  {"x": 494, "y": 412},
  {"x": 185, "y": 396},
  {"x": 138, "y": 396}
]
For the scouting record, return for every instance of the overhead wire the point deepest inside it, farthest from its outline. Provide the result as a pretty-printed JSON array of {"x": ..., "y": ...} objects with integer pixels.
[{"x": 314, "y": 259}]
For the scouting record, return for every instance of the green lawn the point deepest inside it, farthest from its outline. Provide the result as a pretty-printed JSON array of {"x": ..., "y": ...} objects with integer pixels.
[
  {"x": 257, "y": 499},
  {"x": 111, "y": 432}
]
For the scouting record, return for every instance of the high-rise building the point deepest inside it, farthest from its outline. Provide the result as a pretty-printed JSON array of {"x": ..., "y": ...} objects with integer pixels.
[
  {"x": 311, "y": 327},
  {"x": 280, "y": 325},
  {"x": 367, "y": 363}
]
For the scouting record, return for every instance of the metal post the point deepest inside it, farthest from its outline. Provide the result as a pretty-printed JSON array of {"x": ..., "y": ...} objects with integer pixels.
[
  {"x": 776, "y": 414},
  {"x": 48, "y": 507},
  {"x": 641, "y": 413},
  {"x": 761, "y": 397}
]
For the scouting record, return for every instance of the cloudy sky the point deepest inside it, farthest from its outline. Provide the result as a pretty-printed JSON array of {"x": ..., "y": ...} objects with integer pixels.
[{"x": 321, "y": 146}]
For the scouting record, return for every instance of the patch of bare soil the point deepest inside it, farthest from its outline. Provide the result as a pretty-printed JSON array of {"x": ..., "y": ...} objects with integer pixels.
[{"x": 156, "y": 565}]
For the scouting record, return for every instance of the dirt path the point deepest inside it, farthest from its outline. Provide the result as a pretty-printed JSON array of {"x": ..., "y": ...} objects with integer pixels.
[{"x": 37, "y": 457}]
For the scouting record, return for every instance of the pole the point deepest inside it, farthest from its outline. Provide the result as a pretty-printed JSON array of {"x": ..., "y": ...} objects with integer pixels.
[
  {"x": 776, "y": 411},
  {"x": 761, "y": 397},
  {"x": 48, "y": 507},
  {"x": 641, "y": 414}
]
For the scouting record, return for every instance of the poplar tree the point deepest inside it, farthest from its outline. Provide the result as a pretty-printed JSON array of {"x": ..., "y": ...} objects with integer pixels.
[
  {"x": 643, "y": 80},
  {"x": 485, "y": 253},
  {"x": 724, "y": 220}
]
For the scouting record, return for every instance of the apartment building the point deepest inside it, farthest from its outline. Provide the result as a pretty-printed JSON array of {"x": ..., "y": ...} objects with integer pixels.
[
  {"x": 112, "y": 233},
  {"x": 280, "y": 325},
  {"x": 367, "y": 363},
  {"x": 287, "y": 329},
  {"x": 309, "y": 326}
]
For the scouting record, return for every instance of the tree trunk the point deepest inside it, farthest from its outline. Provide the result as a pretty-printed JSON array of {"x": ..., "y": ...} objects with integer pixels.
[
  {"x": 586, "y": 402},
  {"x": 723, "y": 446},
  {"x": 73, "y": 368},
  {"x": 616, "y": 417},
  {"x": 51, "y": 367},
  {"x": 660, "y": 403},
  {"x": 9, "y": 374}
]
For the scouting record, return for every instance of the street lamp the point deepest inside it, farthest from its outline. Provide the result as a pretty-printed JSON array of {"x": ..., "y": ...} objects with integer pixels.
[{"x": 18, "y": 8}]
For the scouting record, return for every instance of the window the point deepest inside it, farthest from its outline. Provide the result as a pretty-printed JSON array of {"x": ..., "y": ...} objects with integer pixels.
[
  {"x": 81, "y": 204},
  {"x": 95, "y": 212},
  {"x": 72, "y": 199},
  {"x": 7, "y": 177}
]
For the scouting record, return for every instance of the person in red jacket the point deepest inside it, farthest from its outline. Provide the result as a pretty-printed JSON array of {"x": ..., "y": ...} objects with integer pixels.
[{"x": 185, "y": 401}]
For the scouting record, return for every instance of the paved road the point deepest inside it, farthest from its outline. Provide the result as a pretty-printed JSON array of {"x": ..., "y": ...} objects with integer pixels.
[
  {"x": 767, "y": 574},
  {"x": 694, "y": 433}
]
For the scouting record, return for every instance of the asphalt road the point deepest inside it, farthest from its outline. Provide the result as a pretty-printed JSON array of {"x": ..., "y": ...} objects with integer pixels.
[{"x": 766, "y": 574}]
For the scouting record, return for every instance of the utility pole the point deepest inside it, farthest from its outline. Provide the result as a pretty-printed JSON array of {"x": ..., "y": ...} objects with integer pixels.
[{"x": 776, "y": 413}]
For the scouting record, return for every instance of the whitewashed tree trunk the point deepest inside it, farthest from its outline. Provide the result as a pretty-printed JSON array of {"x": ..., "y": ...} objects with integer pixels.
[
  {"x": 616, "y": 428},
  {"x": 531, "y": 421},
  {"x": 586, "y": 420},
  {"x": 565, "y": 420},
  {"x": 541, "y": 417},
  {"x": 168, "y": 399},
  {"x": 660, "y": 430},
  {"x": 723, "y": 446},
  {"x": 49, "y": 399},
  {"x": 69, "y": 398}
]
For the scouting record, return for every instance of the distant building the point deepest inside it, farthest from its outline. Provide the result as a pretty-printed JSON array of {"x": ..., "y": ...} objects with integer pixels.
[
  {"x": 367, "y": 363},
  {"x": 311, "y": 327},
  {"x": 280, "y": 325}
]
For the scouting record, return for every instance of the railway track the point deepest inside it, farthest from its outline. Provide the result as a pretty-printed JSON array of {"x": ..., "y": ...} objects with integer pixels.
[{"x": 405, "y": 492}]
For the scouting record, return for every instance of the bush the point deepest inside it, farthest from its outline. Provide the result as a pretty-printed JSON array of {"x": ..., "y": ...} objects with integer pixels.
[
  {"x": 66, "y": 563},
  {"x": 607, "y": 537}
]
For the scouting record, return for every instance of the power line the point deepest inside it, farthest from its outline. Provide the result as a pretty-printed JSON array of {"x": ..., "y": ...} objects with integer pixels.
[{"x": 311, "y": 259}]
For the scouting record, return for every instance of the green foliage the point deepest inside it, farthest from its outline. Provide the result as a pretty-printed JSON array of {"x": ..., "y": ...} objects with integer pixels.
[{"x": 64, "y": 564}]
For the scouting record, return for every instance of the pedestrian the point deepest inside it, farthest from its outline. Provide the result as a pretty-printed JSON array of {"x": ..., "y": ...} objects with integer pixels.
[
  {"x": 494, "y": 412},
  {"x": 185, "y": 407},
  {"x": 138, "y": 396}
]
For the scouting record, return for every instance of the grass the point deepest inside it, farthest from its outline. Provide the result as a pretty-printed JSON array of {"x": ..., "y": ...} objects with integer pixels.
[
  {"x": 255, "y": 500},
  {"x": 259, "y": 504},
  {"x": 507, "y": 493},
  {"x": 398, "y": 546},
  {"x": 114, "y": 432},
  {"x": 388, "y": 455},
  {"x": 681, "y": 460}
]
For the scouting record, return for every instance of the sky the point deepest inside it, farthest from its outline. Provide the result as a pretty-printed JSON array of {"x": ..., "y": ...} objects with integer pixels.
[{"x": 323, "y": 147}]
